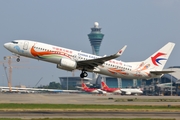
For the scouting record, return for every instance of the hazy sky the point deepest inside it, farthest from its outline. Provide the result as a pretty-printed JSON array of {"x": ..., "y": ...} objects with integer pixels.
[{"x": 143, "y": 25}]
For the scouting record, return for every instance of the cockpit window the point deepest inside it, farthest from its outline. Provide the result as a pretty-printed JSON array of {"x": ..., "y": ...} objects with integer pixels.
[{"x": 14, "y": 42}]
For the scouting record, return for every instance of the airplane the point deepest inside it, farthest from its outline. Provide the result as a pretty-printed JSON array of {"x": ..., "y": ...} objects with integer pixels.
[
  {"x": 162, "y": 85},
  {"x": 131, "y": 91},
  {"x": 33, "y": 90},
  {"x": 91, "y": 90},
  {"x": 16, "y": 91},
  {"x": 126, "y": 91},
  {"x": 68, "y": 59},
  {"x": 110, "y": 90}
]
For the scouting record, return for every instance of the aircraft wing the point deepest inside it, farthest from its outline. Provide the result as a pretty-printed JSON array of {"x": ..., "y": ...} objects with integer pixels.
[
  {"x": 161, "y": 72},
  {"x": 90, "y": 64}
]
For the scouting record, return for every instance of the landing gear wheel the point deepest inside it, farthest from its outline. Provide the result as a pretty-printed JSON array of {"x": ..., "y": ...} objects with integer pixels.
[
  {"x": 83, "y": 74},
  {"x": 18, "y": 59}
]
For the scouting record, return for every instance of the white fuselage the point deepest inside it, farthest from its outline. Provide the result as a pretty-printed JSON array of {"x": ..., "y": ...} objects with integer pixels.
[
  {"x": 130, "y": 91},
  {"x": 53, "y": 54}
]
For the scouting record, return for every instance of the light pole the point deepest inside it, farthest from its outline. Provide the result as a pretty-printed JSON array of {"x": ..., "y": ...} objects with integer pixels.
[
  {"x": 67, "y": 81},
  {"x": 2, "y": 80},
  {"x": 171, "y": 85}
]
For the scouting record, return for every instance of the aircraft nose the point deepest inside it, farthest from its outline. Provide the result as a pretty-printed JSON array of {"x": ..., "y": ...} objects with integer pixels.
[{"x": 6, "y": 45}]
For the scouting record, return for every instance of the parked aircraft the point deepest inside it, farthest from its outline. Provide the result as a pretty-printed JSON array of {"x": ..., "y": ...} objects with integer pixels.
[
  {"x": 91, "y": 90},
  {"x": 162, "y": 85},
  {"x": 33, "y": 90},
  {"x": 126, "y": 91},
  {"x": 70, "y": 60},
  {"x": 131, "y": 91},
  {"x": 110, "y": 90}
]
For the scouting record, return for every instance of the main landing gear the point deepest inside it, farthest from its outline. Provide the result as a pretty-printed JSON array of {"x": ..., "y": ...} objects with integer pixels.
[{"x": 83, "y": 73}]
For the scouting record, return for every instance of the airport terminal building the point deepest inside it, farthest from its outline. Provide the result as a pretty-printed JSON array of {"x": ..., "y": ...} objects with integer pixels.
[{"x": 156, "y": 86}]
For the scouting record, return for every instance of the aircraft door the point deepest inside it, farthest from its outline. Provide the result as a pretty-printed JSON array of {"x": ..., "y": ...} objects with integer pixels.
[
  {"x": 76, "y": 57},
  {"x": 25, "y": 46}
]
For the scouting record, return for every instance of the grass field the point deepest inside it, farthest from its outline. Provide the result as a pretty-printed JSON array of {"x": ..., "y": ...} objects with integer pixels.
[
  {"x": 85, "y": 119},
  {"x": 147, "y": 100},
  {"x": 13, "y": 106},
  {"x": 140, "y": 100},
  {"x": 84, "y": 107}
]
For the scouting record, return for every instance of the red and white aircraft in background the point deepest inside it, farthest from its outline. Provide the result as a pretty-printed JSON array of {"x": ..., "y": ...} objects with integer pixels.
[
  {"x": 91, "y": 90},
  {"x": 110, "y": 90},
  {"x": 126, "y": 91}
]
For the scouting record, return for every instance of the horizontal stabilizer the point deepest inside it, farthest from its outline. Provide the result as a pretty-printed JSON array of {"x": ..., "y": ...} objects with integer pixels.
[{"x": 161, "y": 72}]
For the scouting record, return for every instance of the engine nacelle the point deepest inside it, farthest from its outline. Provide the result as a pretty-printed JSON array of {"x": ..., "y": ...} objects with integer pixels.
[
  {"x": 67, "y": 64},
  {"x": 128, "y": 93}
]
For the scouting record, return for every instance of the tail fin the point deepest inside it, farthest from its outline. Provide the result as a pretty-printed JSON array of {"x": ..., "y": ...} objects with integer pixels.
[
  {"x": 158, "y": 60},
  {"x": 84, "y": 86},
  {"x": 104, "y": 86}
]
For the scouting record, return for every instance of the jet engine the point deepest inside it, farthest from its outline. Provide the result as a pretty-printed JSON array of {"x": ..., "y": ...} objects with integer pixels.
[
  {"x": 118, "y": 91},
  {"x": 67, "y": 64},
  {"x": 128, "y": 93}
]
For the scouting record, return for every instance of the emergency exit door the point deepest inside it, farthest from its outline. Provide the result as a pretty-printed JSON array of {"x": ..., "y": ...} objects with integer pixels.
[{"x": 25, "y": 46}]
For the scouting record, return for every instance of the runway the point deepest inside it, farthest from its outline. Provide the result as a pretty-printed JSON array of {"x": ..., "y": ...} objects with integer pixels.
[
  {"x": 65, "y": 98},
  {"x": 85, "y": 114}
]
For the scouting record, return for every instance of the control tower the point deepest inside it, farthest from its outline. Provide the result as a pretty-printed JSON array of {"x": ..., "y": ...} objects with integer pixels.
[{"x": 95, "y": 38}]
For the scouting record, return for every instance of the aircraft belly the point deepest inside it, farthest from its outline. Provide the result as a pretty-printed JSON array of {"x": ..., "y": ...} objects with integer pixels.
[
  {"x": 55, "y": 60},
  {"x": 126, "y": 74},
  {"x": 105, "y": 71}
]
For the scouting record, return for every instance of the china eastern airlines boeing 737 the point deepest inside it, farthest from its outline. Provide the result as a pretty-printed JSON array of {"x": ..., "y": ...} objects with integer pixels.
[{"x": 70, "y": 60}]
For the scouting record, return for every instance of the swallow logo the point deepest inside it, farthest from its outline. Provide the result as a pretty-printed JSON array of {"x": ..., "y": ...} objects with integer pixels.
[
  {"x": 120, "y": 51},
  {"x": 156, "y": 60}
]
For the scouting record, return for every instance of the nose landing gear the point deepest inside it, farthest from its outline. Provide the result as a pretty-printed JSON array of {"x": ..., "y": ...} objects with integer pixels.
[{"x": 18, "y": 59}]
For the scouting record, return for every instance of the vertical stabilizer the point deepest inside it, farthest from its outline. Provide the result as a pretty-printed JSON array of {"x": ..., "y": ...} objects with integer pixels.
[
  {"x": 158, "y": 60},
  {"x": 84, "y": 86},
  {"x": 104, "y": 86}
]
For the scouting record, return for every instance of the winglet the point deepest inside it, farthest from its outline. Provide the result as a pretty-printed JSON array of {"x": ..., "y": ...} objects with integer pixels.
[{"x": 120, "y": 52}]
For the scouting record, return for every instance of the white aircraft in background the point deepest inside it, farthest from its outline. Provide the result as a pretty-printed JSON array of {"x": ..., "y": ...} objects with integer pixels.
[
  {"x": 70, "y": 60},
  {"x": 33, "y": 90},
  {"x": 131, "y": 91}
]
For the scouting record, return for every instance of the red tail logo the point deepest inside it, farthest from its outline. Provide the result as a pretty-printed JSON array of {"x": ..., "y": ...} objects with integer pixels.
[
  {"x": 84, "y": 85},
  {"x": 104, "y": 86}
]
